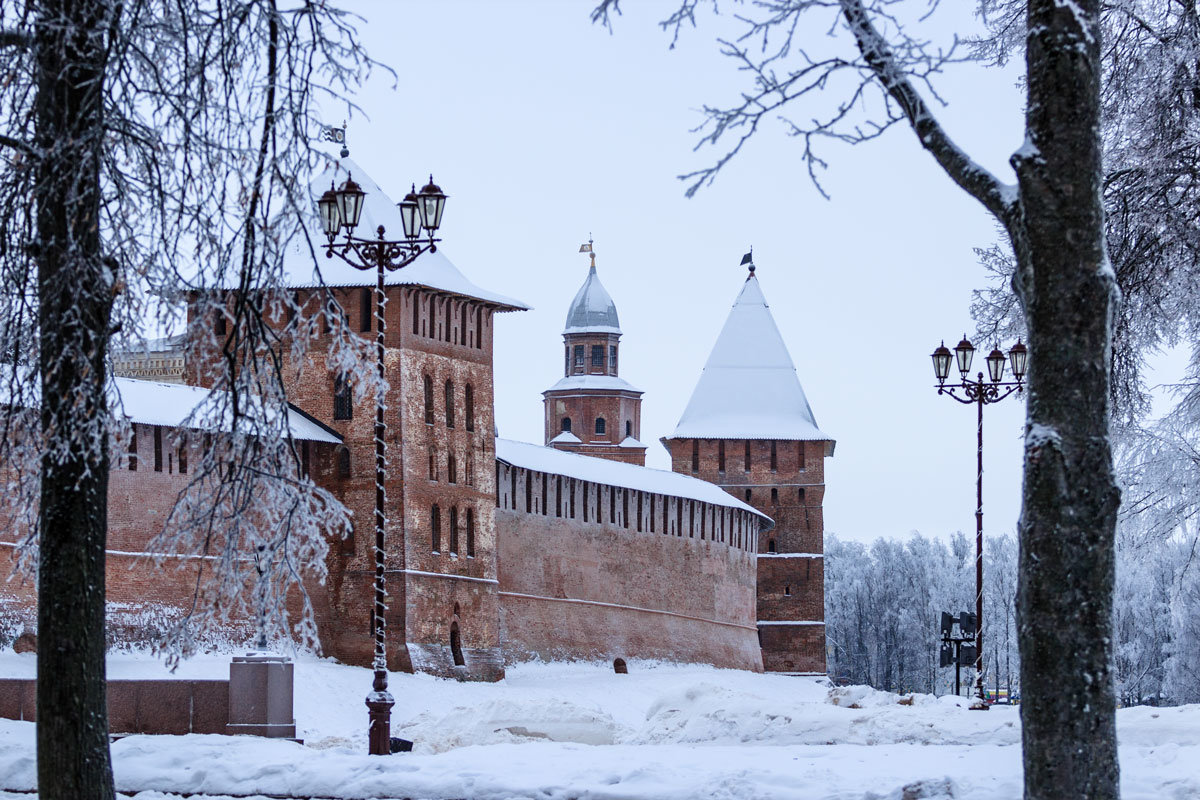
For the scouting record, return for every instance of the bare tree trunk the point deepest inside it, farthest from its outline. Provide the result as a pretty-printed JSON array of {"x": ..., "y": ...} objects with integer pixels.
[
  {"x": 76, "y": 289},
  {"x": 1068, "y": 520}
]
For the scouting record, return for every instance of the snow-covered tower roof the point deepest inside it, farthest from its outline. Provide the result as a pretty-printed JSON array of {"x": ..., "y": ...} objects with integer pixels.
[
  {"x": 749, "y": 388},
  {"x": 592, "y": 310}
]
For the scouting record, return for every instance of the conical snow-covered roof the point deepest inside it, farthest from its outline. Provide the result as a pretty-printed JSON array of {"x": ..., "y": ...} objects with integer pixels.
[
  {"x": 749, "y": 388},
  {"x": 592, "y": 310}
]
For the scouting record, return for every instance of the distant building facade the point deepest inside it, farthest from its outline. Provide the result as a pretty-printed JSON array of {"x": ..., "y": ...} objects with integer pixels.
[
  {"x": 748, "y": 428},
  {"x": 592, "y": 410}
]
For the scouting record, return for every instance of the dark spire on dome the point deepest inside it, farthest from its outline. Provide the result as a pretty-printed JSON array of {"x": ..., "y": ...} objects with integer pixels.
[{"x": 592, "y": 310}]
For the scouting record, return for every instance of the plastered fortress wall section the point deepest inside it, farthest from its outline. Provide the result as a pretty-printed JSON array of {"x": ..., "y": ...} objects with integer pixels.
[
  {"x": 593, "y": 571},
  {"x": 786, "y": 481}
]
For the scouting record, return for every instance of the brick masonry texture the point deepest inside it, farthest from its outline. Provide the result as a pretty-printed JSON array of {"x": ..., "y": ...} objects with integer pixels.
[
  {"x": 785, "y": 480},
  {"x": 472, "y": 582}
]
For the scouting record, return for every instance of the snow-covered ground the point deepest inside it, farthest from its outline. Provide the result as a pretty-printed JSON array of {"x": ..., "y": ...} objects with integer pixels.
[{"x": 554, "y": 731}]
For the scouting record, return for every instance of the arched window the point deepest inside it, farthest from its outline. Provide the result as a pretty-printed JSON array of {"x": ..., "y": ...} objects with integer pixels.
[
  {"x": 770, "y": 545},
  {"x": 612, "y": 359},
  {"x": 428, "y": 400},
  {"x": 451, "y": 469},
  {"x": 775, "y": 497},
  {"x": 600, "y": 426},
  {"x": 566, "y": 424},
  {"x": 801, "y": 498},
  {"x": 620, "y": 667},
  {"x": 628, "y": 427},
  {"x": 365, "y": 310},
  {"x": 749, "y": 494},
  {"x": 469, "y": 405},
  {"x": 470, "y": 533},
  {"x": 433, "y": 465},
  {"x": 456, "y": 646},
  {"x": 469, "y": 468},
  {"x": 453, "y": 530},
  {"x": 435, "y": 527},
  {"x": 343, "y": 461},
  {"x": 342, "y": 407},
  {"x": 787, "y": 591},
  {"x": 449, "y": 404}
]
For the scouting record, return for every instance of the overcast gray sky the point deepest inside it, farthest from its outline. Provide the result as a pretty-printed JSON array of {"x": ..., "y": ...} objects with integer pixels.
[{"x": 543, "y": 127}]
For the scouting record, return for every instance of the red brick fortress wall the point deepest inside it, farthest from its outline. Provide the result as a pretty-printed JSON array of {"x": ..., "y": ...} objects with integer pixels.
[
  {"x": 785, "y": 479},
  {"x": 591, "y": 571}
]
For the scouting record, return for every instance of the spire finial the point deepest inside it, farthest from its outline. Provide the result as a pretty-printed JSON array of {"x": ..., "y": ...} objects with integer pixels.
[
  {"x": 587, "y": 248},
  {"x": 748, "y": 262},
  {"x": 345, "y": 150}
]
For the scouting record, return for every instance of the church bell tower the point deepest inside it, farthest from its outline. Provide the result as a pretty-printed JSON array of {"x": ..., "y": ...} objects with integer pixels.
[{"x": 592, "y": 410}]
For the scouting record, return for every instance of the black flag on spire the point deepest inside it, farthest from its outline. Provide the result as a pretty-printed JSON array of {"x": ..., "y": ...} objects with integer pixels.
[{"x": 748, "y": 258}]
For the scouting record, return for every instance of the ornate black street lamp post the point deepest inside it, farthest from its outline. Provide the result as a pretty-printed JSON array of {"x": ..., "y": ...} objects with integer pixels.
[
  {"x": 981, "y": 393},
  {"x": 341, "y": 210}
]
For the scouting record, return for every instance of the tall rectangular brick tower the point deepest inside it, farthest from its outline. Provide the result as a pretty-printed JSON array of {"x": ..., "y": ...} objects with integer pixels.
[{"x": 749, "y": 429}]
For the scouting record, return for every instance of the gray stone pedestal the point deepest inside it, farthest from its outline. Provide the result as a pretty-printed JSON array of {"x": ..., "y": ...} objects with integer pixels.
[{"x": 260, "y": 695}]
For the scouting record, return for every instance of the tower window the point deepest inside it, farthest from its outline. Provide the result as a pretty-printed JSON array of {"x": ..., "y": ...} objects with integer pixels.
[
  {"x": 133, "y": 448},
  {"x": 747, "y": 455},
  {"x": 183, "y": 458},
  {"x": 787, "y": 591},
  {"x": 451, "y": 469},
  {"x": 695, "y": 455},
  {"x": 771, "y": 546},
  {"x": 600, "y": 426},
  {"x": 470, "y": 533},
  {"x": 775, "y": 497},
  {"x": 801, "y": 497},
  {"x": 566, "y": 359},
  {"x": 364, "y": 310},
  {"x": 453, "y": 530},
  {"x": 449, "y": 404},
  {"x": 579, "y": 358},
  {"x": 469, "y": 407},
  {"x": 612, "y": 359},
  {"x": 462, "y": 325},
  {"x": 628, "y": 427},
  {"x": 435, "y": 528},
  {"x": 220, "y": 326},
  {"x": 800, "y": 455},
  {"x": 432, "y": 464},
  {"x": 749, "y": 494},
  {"x": 416, "y": 307},
  {"x": 598, "y": 355},
  {"x": 721, "y": 456},
  {"x": 428, "y": 400},
  {"x": 342, "y": 407},
  {"x": 479, "y": 326},
  {"x": 774, "y": 457},
  {"x": 157, "y": 449},
  {"x": 343, "y": 461},
  {"x": 566, "y": 424}
]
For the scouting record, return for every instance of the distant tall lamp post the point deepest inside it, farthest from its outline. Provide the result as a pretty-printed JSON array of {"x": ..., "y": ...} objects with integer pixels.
[
  {"x": 981, "y": 393},
  {"x": 341, "y": 210}
]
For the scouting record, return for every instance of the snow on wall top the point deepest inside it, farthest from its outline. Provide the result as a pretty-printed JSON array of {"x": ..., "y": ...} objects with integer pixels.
[
  {"x": 592, "y": 310},
  {"x": 610, "y": 382},
  {"x": 615, "y": 473},
  {"x": 169, "y": 404},
  {"x": 749, "y": 388},
  {"x": 431, "y": 270}
]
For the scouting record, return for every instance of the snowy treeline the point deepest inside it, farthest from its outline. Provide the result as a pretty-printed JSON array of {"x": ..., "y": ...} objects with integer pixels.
[{"x": 883, "y": 600}]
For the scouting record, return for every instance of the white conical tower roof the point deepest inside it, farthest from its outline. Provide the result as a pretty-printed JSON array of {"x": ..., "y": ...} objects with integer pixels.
[{"x": 749, "y": 388}]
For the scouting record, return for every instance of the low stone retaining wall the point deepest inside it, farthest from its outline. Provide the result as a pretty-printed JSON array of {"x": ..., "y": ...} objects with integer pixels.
[{"x": 139, "y": 706}]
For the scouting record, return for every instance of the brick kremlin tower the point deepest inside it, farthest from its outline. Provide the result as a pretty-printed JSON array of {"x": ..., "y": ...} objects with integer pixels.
[
  {"x": 592, "y": 410},
  {"x": 749, "y": 429}
]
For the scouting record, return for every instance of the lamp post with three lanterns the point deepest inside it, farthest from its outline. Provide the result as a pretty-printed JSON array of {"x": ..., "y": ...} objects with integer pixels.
[
  {"x": 981, "y": 393},
  {"x": 340, "y": 210}
]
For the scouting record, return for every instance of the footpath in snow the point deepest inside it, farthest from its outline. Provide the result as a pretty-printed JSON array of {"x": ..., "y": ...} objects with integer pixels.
[{"x": 551, "y": 731}]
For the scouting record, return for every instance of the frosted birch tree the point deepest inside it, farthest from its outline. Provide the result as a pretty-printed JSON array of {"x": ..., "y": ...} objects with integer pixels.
[
  {"x": 1053, "y": 219},
  {"x": 152, "y": 152}
]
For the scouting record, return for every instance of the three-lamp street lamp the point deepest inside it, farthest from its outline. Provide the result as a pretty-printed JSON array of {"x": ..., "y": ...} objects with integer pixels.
[
  {"x": 340, "y": 210},
  {"x": 981, "y": 393}
]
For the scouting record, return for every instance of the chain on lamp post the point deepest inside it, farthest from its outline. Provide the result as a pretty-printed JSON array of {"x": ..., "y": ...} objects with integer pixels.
[
  {"x": 980, "y": 393},
  {"x": 340, "y": 210}
]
